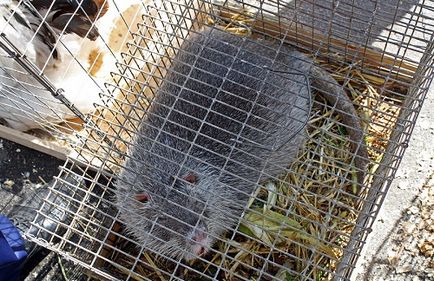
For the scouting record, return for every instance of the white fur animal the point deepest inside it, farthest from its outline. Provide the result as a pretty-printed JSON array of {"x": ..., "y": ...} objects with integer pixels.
[{"x": 64, "y": 48}]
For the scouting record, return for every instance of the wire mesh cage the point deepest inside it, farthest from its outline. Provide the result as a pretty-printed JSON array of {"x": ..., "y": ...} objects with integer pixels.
[{"x": 241, "y": 140}]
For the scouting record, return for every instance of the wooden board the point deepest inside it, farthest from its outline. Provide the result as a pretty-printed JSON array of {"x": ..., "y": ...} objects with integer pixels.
[
  {"x": 44, "y": 146},
  {"x": 302, "y": 35}
]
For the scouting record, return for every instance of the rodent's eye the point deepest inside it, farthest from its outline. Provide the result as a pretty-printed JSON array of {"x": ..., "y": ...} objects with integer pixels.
[
  {"x": 142, "y": 197},
  {"x": 191, "y": 178}
]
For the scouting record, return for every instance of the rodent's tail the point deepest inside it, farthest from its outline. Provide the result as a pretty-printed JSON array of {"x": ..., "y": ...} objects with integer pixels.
[{"x": 336, "y": 96}]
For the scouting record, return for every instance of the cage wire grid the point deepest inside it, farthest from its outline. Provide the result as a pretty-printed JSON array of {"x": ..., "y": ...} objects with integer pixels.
[{"x": 284, "y": 235}]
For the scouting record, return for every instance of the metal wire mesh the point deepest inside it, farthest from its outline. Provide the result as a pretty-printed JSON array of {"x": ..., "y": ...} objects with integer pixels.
[{"x": 304, "y": 218}]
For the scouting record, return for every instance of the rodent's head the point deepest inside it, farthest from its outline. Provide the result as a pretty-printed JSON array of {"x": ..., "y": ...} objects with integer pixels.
[{"x": 176, "y": 216}]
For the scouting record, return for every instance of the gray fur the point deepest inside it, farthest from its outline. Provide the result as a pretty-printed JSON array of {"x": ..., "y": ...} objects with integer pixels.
[{"x": 215, "y": 69}]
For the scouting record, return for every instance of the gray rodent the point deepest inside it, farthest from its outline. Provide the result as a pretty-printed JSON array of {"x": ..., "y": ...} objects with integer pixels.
[{"x": 193, "y": 164}]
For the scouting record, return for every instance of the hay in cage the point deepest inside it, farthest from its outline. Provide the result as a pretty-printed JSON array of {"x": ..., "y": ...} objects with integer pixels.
[{"x": 307, "y": 224}]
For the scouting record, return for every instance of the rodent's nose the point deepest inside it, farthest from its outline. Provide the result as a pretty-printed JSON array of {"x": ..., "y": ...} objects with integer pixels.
[
  {"x": 199, "y": 235},
  {"x": 199, "y": 250},
  {"x": 201, "y": 242}
]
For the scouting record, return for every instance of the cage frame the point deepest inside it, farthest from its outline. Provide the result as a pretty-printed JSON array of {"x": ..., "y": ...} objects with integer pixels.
[{"x": 383, "y": 176}]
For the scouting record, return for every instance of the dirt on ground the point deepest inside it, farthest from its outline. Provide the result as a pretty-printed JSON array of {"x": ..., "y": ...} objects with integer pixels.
[
  {"x": 21, "y": 167},
  {"x": 408, "y": 251}
]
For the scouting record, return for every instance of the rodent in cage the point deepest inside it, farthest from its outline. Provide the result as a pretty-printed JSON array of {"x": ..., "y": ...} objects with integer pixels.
[
  {"x": 230, "y": 113},
  {"x": 67, "y": 42}
]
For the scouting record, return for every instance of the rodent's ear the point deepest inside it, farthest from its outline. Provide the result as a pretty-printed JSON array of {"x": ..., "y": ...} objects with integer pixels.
[
  {"x": 191, "y": 177},
  {"x": 142, "y": 197}
]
